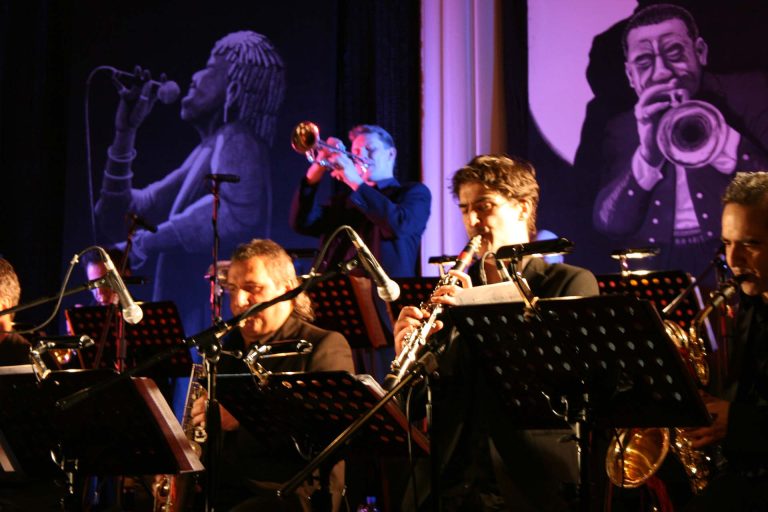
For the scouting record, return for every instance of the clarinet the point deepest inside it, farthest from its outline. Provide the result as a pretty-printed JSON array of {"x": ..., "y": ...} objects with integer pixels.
[{"x": 416, "y": 339}]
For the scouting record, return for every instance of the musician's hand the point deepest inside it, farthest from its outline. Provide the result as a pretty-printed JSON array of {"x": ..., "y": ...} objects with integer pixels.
[
  {"x": 346, "y": 171},
  {"x": 198, "y": 411},
  {"x": 716, "y": 432},
  {"x": 409, "y": 319},
  {"x": 448, "y": 294},
  {"x": 316, "y": 171}
]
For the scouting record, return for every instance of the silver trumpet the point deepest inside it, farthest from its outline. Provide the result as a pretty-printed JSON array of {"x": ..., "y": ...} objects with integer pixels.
[{"x": 416, "y": 339}]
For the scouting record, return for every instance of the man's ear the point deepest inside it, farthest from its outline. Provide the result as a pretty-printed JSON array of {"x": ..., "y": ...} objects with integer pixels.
[
  {"x": 628, "y": 72},
  {"x": 233, "y": 94},
  {"x": 702, "y": 51},
  {"x": 525, "y": 209}
]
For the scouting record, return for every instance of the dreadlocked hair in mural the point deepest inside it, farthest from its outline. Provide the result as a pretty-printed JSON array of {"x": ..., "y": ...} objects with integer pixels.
[{"x": 258, "y": 69}]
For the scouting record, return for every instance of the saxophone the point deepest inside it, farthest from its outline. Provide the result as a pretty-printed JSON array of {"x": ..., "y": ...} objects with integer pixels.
[
  {"x": 416, "y": 339},
  {"x": 636, "y": 454},
  {"x": 172, "y": 491}
]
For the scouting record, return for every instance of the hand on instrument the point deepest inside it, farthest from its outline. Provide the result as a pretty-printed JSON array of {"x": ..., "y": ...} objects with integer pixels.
[
  {"x": 409, "y": 319},
  {"x": 447, "y": 294},
  {"x": 316, "y": 171},
  {"x": 346, "y": 171},
  {"x": 716, "y": 432},
  {"x": 651, "y": 104},
  {"x": 199, "y": 412},
  {"x": 136, "y": 101}
]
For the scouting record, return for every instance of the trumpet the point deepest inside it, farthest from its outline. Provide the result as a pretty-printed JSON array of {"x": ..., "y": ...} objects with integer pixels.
[
  {"x": 691, "y": 134},
  {"x": 416, "y": 339},
  {"x": 306, "y": 139}
]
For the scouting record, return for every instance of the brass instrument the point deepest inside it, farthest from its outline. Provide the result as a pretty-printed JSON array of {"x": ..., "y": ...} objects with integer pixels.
[
  {"x": 634, "y": 455},
  {"x": 306, "y": 139},
  {"x": 171, "y": 492},
  {"x": 416, "y": 339},
  {"x": 276, "y": 349},
  {"x": 691, "y": 134}
]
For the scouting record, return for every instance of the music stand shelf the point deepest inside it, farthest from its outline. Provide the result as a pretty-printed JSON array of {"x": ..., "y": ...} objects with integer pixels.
[{"x": 160, "y": 330}]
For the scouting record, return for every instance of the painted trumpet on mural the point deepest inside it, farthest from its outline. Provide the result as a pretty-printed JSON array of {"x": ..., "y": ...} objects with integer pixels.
[
  {"x": 691, "y": 134},
  {"x": 306, "y": 139}
]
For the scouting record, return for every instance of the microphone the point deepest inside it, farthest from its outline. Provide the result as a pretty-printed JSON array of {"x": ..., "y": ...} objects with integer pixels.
[
  {"x": 543, "y": 247},
  {"x": 167, "y": 91},
  {"x": 139, "y": 221},
  {"x": 726, "y": 290},
  {"x": 132, "y": 313},
  {"x": 387, "y": 288}
]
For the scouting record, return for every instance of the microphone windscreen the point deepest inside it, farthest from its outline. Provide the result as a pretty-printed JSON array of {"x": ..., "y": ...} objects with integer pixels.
[{"x": 168, "y": 92}]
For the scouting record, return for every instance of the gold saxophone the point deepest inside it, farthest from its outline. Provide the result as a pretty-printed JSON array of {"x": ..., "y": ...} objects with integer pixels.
[
  {"x": 416, "y": 339},
  {"x": 171, "y": 492},
  {"x": 634, "y": 455}
]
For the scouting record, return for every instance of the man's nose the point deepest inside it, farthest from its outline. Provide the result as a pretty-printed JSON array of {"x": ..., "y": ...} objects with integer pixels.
[
  {"x": 734, "y": 255},
  {"x": 661, "y": 72},
  {"x": 240, "y": 299}
]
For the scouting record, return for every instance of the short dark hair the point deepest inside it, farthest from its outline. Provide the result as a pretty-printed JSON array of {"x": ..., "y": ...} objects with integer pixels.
[
  {"x": 375, "y": 129},
  {"x": 10, "y": 289},
  {"x": 511, "y": 176},
  {"x": 280, "y": 267},
  {"x": 657, "y": 13},
  {"x": 747, "y": 188}
]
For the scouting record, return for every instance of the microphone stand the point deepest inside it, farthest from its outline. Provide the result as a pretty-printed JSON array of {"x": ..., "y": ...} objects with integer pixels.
[
  {"x": 212, "y": 353},
  {"x": 90, "y": 285}
]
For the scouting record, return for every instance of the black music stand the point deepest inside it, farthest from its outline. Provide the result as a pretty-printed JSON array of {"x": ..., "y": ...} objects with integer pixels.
[
  {"x": 598, "y": 362},
  {"x": 130, "y": 430},
  {"x": 661, "y": 288},
  {"x": 316, "y": 407},
  {"x": 413, "y": 291},
  {"x": 158, "y": 331},
  {"x": 345, "y": 304}
]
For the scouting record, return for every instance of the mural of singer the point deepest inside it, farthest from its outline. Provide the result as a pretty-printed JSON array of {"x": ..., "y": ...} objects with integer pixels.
[
  {"x": 232, "y": 103},
  {"x": 667, "y": 162}
]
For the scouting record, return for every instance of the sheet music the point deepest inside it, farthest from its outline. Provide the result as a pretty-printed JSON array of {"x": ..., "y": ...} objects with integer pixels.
[{"x": 489, "y": 294}]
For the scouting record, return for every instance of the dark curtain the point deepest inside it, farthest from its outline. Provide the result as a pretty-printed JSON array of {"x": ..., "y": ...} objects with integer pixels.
[
  {"x": 379, "y": 75},
  {"x": 33, "y": 91}
]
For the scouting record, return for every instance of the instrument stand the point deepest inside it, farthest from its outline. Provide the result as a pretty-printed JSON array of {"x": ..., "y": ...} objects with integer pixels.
[{"x": 598, "y": 362}]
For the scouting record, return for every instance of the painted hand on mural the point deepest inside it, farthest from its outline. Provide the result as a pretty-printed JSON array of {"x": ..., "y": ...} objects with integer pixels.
[
  {"x": 232, "y": 103},
  {"x": 136, "y": 101}
]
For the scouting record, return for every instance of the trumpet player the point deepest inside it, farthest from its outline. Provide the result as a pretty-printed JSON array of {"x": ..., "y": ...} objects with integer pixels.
[
  {"x": 486, "y": 463},
  {"x": 666, "y": 163},
  {"x": 740, "y": 415},
  {"x": 389, "y": 215}
]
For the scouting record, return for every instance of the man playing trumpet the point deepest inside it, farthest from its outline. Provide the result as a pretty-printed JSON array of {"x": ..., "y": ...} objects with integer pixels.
[{"x": 480, "y": 450}]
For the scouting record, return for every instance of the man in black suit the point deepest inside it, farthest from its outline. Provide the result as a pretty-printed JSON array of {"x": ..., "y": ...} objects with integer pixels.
[
  {"x": 740, "y": 414},
  {"x": 486, "y": 463}
]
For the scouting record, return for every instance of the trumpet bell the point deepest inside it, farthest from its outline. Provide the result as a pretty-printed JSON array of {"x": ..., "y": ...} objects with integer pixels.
[
  {"x": 305, "y": 137},
  {"x": 692, "y": 134},
  {"x": 635, "y": 454}
]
